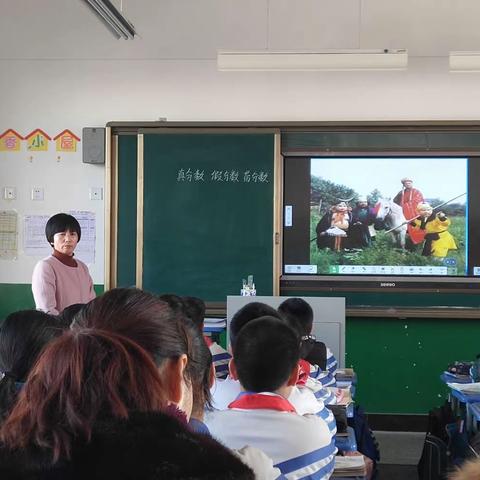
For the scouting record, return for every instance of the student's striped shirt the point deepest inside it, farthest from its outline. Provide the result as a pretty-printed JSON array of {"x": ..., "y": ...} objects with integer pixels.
[
  {"x": 301, "y": 446},
  {"x": 327, "y": 376},
  {"x": 303, "y": 399},
  {"x": 220, "y": 359},
  {"x": 305, "y": 403}
]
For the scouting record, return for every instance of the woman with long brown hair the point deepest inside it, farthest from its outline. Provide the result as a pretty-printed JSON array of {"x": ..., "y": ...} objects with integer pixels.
[{"x": 98, "y": 405}]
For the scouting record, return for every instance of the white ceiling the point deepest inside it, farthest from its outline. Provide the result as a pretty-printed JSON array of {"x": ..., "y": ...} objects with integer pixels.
[{"x": 195, "y": 29}]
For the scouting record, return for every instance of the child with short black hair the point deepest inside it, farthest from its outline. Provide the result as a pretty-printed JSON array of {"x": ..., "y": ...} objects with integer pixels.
[
  {"x": 266, "y": 352},
  {"x": 305, "y": 400},
  {"x": 227, "y": 389},
  {"x": 299, "y": 315}
]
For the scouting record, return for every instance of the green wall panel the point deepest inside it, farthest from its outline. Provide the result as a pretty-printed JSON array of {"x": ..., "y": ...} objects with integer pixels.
[
  {"x": 18, "y": 296},
  {"x": 399, "y": 362}
]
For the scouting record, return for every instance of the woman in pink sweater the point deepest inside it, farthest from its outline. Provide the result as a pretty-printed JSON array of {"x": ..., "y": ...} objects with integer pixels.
[{"x": 60, "y": 280}]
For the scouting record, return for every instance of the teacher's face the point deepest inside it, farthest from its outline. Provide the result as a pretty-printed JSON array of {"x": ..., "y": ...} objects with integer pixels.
[{"x": 65, "y": 242}]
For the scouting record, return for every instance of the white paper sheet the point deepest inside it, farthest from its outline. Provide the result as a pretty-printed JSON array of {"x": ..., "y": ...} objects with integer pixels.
[
  {"x": 85, "y": 250},
  {"x": 8, "y": 234},
  {"x": 34, "y": 242}
]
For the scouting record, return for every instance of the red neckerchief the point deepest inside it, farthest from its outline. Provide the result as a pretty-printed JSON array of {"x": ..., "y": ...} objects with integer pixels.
[
  {"x": 262, "y": 401},
  {"x": 208, "y": 340},
  {"x": 65, "y": 259},
  {"x": 303, "y": 372}
]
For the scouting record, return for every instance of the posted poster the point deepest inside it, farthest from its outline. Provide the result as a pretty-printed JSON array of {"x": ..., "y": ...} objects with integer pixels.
[{"x": 85, "y": 250}]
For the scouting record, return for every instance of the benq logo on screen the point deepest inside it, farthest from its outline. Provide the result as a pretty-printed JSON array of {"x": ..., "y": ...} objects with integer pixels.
[{"x": 387, "y": 284}]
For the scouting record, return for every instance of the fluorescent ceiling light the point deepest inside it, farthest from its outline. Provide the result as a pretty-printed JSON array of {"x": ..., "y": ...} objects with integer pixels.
[
  {"x": 262, "y": 60},
  {"x": 112, "y": 18},
  {"x": 464, "y": 61}
]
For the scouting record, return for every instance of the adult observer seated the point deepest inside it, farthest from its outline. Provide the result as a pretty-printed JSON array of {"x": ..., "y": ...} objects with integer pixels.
[{"x": 61, "y": 280}]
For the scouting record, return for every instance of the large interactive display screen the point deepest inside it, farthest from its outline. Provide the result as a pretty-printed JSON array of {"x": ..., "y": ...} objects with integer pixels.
[{"x": 383, "y": 221}]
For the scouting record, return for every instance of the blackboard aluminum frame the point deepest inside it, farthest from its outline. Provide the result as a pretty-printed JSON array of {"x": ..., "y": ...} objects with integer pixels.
[
  {"x": 140, "y": 196},
  {"x": 111, "y": 208}
]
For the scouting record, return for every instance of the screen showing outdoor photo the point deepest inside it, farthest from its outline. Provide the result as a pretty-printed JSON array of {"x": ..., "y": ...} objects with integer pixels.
[{"x": 381, "y": 216}]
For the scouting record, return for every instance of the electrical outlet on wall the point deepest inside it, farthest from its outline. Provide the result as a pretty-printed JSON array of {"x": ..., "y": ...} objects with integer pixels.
[
  {"x": 96, "y": 193},
  {"x": 10, "y": 193},
  {"x": 37, "y": 193}
]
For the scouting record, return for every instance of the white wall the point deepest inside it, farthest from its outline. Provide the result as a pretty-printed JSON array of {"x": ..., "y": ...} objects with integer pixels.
[
  {"x": 54, "y": 95},
  {"x": 58, "y": 94}
]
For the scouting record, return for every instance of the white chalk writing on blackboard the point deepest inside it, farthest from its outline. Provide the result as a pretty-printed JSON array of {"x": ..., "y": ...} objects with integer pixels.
[{"x": 225, "y": 176}]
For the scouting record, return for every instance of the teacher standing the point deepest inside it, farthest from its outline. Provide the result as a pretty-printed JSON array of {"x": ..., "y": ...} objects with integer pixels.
[{"x": 60, "y": 280}]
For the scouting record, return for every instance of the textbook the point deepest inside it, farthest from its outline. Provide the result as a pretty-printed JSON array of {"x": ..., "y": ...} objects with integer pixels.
[{"x": 349, "y": 466}]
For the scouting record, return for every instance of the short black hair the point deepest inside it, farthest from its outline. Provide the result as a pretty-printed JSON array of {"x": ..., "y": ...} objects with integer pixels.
[
  {"x": 23, "y": 335},
  {"x": 175, "y": 302},
  {"x": 249, "y": 312},
  {"x": 69, "y": 313},
  {"x": 61, "y": 222},
  {"x": 266, "y": 351},
  {"x": 195, "y": 310},
  {"x": 299, "y": 315}
]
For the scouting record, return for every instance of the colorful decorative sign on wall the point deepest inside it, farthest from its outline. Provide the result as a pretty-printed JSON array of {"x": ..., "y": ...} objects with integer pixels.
[
  {"x": 10, "y": 141},
  {"x": 66, "y": 141},
  {"x": 37, "y": 141}
]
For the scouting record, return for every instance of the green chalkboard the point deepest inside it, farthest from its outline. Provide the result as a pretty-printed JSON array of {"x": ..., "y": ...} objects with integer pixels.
[
  {"x": 127, "y": 210},
  {"x": 208, "y": 213}
]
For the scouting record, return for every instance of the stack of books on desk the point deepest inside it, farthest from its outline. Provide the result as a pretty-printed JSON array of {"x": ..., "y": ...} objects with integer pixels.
[
  {"x": 215, "y": 322},
  {"x": 345, "y": 375},
  {"x": 349, "y": 466}
]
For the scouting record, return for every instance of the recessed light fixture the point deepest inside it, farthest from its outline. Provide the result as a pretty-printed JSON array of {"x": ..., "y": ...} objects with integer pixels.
[{"x": 263, "y": 60}]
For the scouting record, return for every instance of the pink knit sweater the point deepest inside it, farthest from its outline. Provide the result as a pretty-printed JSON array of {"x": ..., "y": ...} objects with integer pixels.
[{"x": 55, "y": 285}]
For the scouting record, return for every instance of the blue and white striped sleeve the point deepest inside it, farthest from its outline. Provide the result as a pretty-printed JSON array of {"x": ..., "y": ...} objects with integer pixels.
[
  {"x": 327, "y": 416},
  {"x": 323, "y": 376},
  {"x": 314, "y": 465},
  {"x": 332, "y": 363},
  {"x": 220, "y": 359}
]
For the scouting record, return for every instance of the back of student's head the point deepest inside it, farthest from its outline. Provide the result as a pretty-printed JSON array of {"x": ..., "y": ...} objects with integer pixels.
[
  {"x": 246, "y": 314},
  {"x": 140, "y": 316},
  {"x": 23, "y": 335},
  {"x": 265, "y": 353},
  {"x": 175, "y": 302},
  {"x": 195, "y": 310},
  {"x": 299, "y": 315},
  {"x": 67, "y": 317},
  {"x": 81, "y": 376}
]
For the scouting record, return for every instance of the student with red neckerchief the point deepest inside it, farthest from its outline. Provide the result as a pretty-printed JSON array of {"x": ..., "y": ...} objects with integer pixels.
[{"x": 265, "y": 360}]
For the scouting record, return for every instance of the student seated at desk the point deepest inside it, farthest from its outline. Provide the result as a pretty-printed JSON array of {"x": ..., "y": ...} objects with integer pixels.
[
  {"x": 265, "y": 359},
  {"x": 305, "y": 400},
  {"x": 195, "y": 310},
  {"x": 300, "y": 316}
]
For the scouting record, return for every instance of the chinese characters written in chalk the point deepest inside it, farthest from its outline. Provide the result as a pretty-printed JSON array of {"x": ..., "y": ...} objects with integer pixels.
[{"x": 230, "y": 176}]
